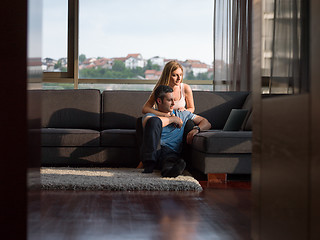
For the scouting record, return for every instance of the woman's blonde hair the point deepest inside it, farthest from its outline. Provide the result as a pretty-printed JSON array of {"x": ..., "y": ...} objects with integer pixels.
[
  {"x": 166, "y": 74},
  {"x": 165, "y": 77}
]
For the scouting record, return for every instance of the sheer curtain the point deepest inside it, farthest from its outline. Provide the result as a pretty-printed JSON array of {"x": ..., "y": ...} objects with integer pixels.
[
  {"x": 231, "y": 44},
  {"x": 289, "y": 62}
]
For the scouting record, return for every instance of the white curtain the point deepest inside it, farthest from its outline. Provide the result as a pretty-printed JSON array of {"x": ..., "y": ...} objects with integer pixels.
[
  {"x": 289, "y": 62},
  {"x": 231, "y": 44}
]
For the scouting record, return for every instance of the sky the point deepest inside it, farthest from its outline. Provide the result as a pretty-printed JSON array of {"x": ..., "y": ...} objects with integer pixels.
[
  {"x": 179, "y": 29},
  {"x": 34, "y": 28}
]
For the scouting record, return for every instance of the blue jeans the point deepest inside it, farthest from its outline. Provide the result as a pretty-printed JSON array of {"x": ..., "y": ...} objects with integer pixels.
[{"x": 151, "y": 150}]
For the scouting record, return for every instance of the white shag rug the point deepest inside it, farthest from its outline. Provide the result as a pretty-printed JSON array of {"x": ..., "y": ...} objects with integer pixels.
[{"x": 114, "y": 179}]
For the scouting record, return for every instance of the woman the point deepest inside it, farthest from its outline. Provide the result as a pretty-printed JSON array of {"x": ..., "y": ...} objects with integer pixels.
[{"x": 172, "y": 75}]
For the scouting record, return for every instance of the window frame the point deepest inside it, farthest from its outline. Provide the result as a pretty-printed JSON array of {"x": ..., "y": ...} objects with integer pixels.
[{"x": 72, "y": 48}]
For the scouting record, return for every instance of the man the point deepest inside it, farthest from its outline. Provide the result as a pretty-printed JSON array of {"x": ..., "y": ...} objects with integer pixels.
[{"x": 168, "y": 131}]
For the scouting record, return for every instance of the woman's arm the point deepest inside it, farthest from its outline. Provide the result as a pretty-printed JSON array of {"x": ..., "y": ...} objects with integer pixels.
[
  {"x": 189, "y": 98},
  {"x": 148, "y": 108}
]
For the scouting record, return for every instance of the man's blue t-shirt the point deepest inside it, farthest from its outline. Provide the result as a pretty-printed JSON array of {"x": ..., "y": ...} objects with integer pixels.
[{"x": 171, "y": 135}]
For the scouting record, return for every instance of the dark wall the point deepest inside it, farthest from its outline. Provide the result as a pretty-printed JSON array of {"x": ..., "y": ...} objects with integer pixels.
[
  {"x": 13, "y": 127},
  {"x": 314, "y": 187},
  {"x": 286, "y": 156}
]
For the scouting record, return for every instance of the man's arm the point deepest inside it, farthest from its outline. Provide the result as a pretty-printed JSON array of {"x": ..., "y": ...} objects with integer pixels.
[
  {"x": 165, "y": 120},
  {"x": 202, "y": 123}
]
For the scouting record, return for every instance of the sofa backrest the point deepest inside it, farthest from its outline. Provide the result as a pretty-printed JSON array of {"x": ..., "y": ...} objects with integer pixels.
[
  {"x": 247, "y": 125},
  {"x": 76, "y": 108},
  {"x": 216, "y": 106},
  {"x": 81, "y": 108},
  {"x": 121, "y": 108}
]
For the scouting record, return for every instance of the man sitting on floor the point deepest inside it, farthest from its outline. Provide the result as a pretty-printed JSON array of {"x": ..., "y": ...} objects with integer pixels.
[{"x": 168, "y": 131}]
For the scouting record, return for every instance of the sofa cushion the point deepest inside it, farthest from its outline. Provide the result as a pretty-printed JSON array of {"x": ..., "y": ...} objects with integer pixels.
[
  {"x": 216, "y": 106},
  {"x": 90, "y": 157},
  {"x": 54, "y": 137},
  {"x": 235, "y": 120},
  {"x": 248, "y": 102},
  {"x": 120, "y": 109},
  {"x": 118, "y": 138},
  {"x": 215, "y": 141},
  {"x": 247, "y": 124},
  {"x": 77, "y": 108}
]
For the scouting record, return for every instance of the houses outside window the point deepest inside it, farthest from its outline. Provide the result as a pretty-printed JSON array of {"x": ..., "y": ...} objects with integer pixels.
[{"x": 125, "y": 44}]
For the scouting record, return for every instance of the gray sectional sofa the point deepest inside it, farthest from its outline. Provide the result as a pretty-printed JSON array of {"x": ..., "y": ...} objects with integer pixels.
[
  {"x": 218, "y": 151},
  {"x": 87, "y": 127}
]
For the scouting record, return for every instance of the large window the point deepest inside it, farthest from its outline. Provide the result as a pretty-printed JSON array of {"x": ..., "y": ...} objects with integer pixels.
[{"x": 124, "y": 44}]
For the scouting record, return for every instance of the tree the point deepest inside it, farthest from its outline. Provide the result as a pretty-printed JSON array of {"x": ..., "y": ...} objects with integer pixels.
[
  {"x": 138, "y": 71},
  {"x": 202, "y": 76},
  {"x": 151, "y": 66},
  {"x": 118, "y": 66},
  {"x": 190, "y": 76},
  {"x": 82, "y": 58},
  {"x": 156, "y": 67},
  {"x": 57, "y": 65}
]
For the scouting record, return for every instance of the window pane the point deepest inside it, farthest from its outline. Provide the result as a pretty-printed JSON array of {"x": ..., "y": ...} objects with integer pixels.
[
  {"x": 267, "y": 32},
  {"x": 34, "y": 44},
  {"x": 125, "y": 39},
  {"x": 55, "y": 26}
]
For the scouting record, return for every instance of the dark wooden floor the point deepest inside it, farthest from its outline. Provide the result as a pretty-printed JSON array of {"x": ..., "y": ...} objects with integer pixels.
[{"x": 216, "y": 213}]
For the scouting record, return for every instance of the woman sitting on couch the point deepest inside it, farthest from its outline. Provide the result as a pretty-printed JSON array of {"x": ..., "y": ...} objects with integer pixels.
[{"x": 172, "y": 75}]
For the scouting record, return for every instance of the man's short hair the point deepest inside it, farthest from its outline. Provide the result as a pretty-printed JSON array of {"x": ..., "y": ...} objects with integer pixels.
[{"x": 161, "y": 91}]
